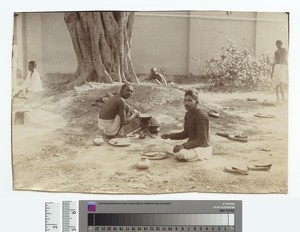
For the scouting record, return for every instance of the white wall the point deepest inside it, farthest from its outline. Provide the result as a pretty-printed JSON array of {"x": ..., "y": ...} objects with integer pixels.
[
  {"x": 33, "y": 40},
  {"x": 211, "y": 30},
  {"x": 271, "y": 27},
  {"x": 166, "y": 40},
  {"x": 160, "y": 41},
  {"x": 57, "y": 47}
]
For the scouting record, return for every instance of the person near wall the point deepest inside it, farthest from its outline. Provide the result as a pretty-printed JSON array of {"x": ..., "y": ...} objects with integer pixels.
[
  {"x": 196, "y": 129},
  {"x": 32, "y": 83},
  {"x": 116, "y": 113},
  {"x": 280, "y": 70},
  {"x": 157, "y": 77}
]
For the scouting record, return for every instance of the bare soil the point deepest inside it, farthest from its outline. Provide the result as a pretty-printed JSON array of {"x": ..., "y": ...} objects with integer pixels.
[{"x": 53, "y": 150}]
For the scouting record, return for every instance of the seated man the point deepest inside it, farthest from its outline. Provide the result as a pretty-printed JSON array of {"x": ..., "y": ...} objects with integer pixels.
[
  {"x": 32, "y": 82},
  {"x": 159, "y": 78},
  {"x": 196, "y": 129},
  {"x": 115, "y": 113}
]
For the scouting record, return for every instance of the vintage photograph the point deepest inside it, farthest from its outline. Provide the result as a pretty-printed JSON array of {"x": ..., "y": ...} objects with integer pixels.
[{"x": 150, "y": 102}]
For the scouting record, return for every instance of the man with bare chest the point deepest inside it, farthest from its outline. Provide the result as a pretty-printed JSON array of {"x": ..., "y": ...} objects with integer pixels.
[{"x": 115, "y": 113}]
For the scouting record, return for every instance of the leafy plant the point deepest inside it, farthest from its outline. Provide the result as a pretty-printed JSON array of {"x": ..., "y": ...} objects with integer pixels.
[{"x": 232, "y": 69}]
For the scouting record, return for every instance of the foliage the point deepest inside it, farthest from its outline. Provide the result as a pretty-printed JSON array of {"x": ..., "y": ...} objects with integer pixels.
[{"x": 234, "y": 69}]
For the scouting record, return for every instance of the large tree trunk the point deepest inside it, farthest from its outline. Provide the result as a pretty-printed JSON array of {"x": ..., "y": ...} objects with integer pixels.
[{"x": 102, "y": 43}]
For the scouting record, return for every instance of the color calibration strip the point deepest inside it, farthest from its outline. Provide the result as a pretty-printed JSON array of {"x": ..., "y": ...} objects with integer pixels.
[
  {"x": 152, "y": 216},
  {"x": 141, "y": 219}
]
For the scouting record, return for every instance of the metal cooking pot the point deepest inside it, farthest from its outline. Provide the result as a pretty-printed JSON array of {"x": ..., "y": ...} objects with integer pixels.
[{"x": 145, "y": 116}]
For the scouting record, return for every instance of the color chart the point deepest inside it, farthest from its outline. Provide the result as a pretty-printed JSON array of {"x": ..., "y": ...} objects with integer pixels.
[{"x": 209, "y": 216}]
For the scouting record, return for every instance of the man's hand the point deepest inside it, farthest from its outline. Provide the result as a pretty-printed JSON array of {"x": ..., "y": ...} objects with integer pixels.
[
  {"x": 165, "y": 136},
  {"x": 136, "y": 113},
  {"x": 177, "y": 148},
  {"x": 272, "y": 71}
]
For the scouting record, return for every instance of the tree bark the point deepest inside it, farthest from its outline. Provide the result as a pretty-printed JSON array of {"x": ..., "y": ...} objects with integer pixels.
[{"x": 102, "y": 44}]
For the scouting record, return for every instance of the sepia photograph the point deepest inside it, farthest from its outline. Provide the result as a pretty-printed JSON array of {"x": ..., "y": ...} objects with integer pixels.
[{"x": 150, "y": 102}]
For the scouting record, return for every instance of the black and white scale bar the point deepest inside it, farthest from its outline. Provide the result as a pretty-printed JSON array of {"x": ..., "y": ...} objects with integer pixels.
[
  {"x": 69, "y": 216},
  {"x": 52, "y": 217},
  {"x": 208, "y": 228}
]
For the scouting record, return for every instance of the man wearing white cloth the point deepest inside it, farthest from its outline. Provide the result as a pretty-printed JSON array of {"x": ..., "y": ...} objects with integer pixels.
[
  {"x": 196, "y": 129},
  {"x": 116, "y": 113},
  {"x": 32, "y": 82},
  {"x": 280, "y": 70}
]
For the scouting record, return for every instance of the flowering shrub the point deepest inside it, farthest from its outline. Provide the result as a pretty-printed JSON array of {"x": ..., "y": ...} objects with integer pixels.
[{"x": 234, "y": 69}]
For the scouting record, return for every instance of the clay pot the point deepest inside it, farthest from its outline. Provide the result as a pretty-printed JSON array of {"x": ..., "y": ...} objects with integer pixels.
[
  {"x": 98, "y": 141},
  {"x": 143, "y": 163}
]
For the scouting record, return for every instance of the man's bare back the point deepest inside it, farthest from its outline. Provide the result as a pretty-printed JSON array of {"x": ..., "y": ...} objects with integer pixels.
[
  {"x": 112, "y": 107},
  {"x": 116, "y": 105}
]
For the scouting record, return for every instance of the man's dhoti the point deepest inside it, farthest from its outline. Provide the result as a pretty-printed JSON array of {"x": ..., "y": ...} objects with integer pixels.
[
  {"x": 280, "y": 74},
  {"x": 109, "y": 127},
  {"x": 198, "y": 153}
]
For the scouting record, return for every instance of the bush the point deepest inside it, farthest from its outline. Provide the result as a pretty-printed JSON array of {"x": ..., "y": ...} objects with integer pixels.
[{"x": 234, "y": 69}]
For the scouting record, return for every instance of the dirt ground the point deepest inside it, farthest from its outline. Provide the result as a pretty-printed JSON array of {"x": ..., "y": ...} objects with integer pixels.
[{"x": 53, "y": 150}]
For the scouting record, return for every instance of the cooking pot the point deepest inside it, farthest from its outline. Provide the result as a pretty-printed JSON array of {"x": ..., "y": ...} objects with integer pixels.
[{"x": 145, "y": 116}]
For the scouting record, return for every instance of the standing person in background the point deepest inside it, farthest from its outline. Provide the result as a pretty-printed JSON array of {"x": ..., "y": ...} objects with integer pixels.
[{"x": 280, "y": 70}]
